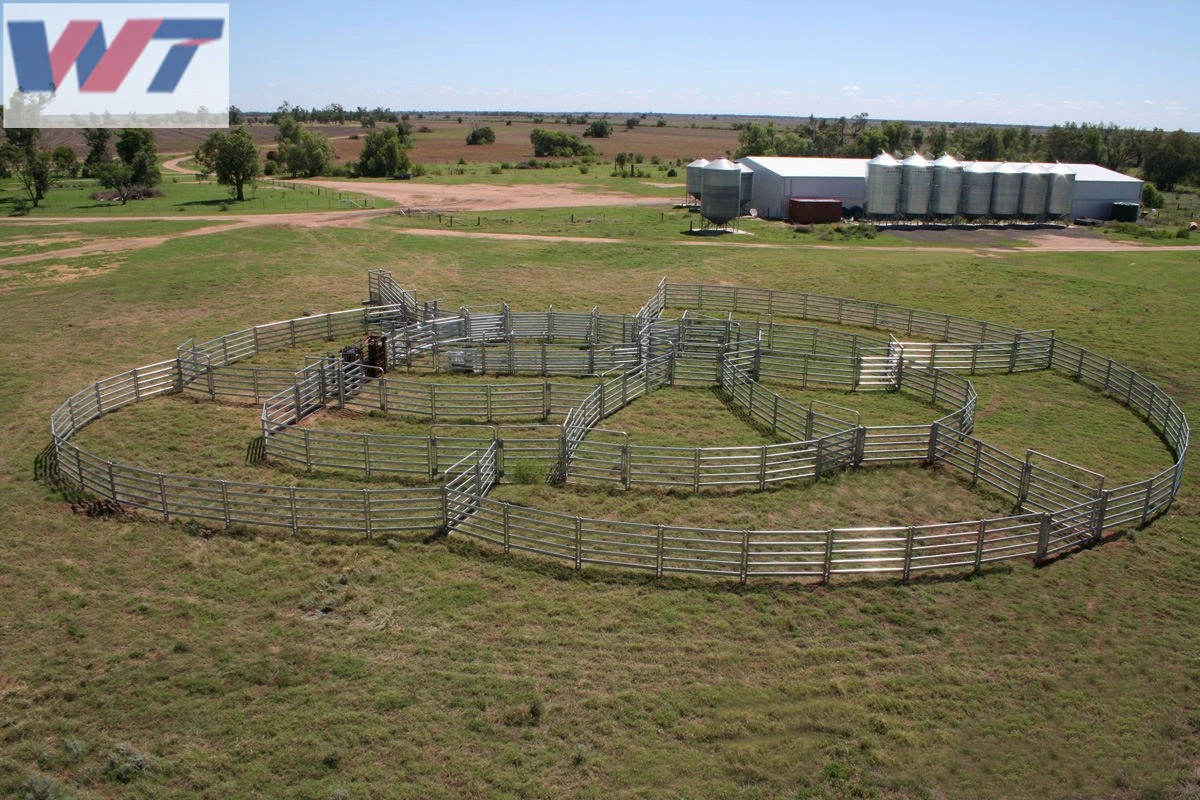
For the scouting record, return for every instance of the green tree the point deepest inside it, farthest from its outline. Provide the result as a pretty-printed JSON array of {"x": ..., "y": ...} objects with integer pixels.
[
  {"x": 484, "y": 135},
  {"x": 897, "y": 136},
  {"x": 66, "y": 164},
  {"x": 136, "y": 149},
  {"x": 756, "y": 139},
  {"x": 97, "y": 140},
  {"x": 232, "y": 157},
  {"x": 1175, "y": 159},
  {"x": 32, "y": 166},
  {"x": 599, "y": 129},
  {"x": 117, "y": 176},
  {"x": 383, "y": 154},
  {"x": 302, "y": 152},
  {"x": 548, "y": 144},
  {"x": 937, "y": 141}
]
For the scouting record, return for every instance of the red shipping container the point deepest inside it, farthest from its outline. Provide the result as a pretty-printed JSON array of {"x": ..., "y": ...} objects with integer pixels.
[{"x": 809, "y": 210}]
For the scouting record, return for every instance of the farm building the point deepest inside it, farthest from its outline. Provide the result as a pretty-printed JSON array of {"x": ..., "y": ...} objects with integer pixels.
[{"x": 777, "y": 180}]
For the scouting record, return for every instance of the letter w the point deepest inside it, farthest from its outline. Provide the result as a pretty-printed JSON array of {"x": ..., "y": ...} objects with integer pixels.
[{"x": 100, "y": 68}]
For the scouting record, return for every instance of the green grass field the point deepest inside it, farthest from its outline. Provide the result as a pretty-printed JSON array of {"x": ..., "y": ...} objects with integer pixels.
[
  {"x": 146, "y": 660},
  {"x": 181, "y": 196}
]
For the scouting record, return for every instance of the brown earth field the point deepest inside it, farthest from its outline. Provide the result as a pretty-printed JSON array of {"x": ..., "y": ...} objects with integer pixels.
[{"x": 440, "y": 138}]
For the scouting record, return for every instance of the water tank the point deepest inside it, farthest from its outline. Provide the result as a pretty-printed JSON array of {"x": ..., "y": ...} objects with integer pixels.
[
  {"x": 747, "y": 188},
  {"x": 1035, "y": 186},
  {"x": 947, "y": 186},
  {"x": 883, "y": 186},
  {"x": 976, "y": 191},
  {"x": 1006, "y": 190},
  {"x": 1126, "y": 212},
  {"x": 1060, "y": 198},
  {"x": 720, "y": 191},
  {"x": 695, "y": 177},
  {"x": 916, "y": 185}
]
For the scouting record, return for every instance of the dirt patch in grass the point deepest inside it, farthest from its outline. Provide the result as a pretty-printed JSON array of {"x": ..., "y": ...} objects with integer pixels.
[{"x": 484, "y": 197}]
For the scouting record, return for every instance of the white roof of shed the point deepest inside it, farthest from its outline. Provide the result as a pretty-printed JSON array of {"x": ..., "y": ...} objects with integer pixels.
[
  {"x": 788, "y": 167},
  {"x": 791, "y": 167}
]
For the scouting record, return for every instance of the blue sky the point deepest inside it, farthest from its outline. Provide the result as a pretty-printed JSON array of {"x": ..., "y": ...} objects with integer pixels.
[{"x": 1016, "y": 62}]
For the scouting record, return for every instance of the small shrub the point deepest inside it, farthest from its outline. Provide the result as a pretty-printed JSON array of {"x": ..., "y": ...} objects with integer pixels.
[
  {"x": 1183, "y": 233},
  {"x": 40, "y": 788},
  {"x": 671, "y": 173},
  {"x": 1151, "y": 196},
  {"x": 529, "y": 472},
  {"x": 462, "y": 161},
  {"x": 126, "y": 764},
  {"x": 495, "y": 170},
  {"x": 584, "y": 169}
]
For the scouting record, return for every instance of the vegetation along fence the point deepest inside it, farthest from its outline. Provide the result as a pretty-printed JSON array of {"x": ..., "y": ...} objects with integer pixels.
[{"x": 1058, "y": 506}]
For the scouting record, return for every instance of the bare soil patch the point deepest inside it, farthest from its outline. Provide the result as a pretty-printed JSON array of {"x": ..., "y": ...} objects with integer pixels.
[{"x": 485, "y": 197}]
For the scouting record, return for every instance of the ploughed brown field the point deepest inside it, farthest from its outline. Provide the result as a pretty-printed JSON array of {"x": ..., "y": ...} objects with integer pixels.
[{"x": 441, "y": 138}]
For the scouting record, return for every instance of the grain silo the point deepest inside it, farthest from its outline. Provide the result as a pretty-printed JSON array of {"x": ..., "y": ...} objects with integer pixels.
[
  {"x": 747, "y": 188},
  {"x": 1035, "y": 185},
  {"x": 977, "y": 191},
  {"x": 916, "y": 185},
  {"x": 1006, "y": 190},
  {"x": 695, "y": 176},
  {"x": 1060, "y": 198},
  {"x": 720, "y": 191},
  {"x": 883, "y": 186},
  {"x": 947, "y": 186}
]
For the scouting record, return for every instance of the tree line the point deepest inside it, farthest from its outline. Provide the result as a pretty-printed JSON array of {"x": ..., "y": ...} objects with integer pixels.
[{"x": 1166, "y": 159}]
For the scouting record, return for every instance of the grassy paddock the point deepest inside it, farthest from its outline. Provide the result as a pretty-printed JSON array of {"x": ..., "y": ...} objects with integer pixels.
[
  {"x": 181, "y": 195},
  {"x": 144, "y": 660}
]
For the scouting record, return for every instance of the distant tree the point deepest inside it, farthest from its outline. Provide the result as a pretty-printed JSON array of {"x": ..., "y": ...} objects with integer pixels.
[
  {"x": 302, "y": 152},
  {"x": 136, "y": 149},
  {"x": 632, "y": 123},
  {"x": 23, "y": 159},
  {"x": 897, "y": 136},
  {"x": 662, "y": 123},
  {"x": 35, "y": 173},
  {"x": 97, "y": 142},
  {"x": 232, "y": 157},
  {"x": 867, "y": 143},
  {"x": 236, "y": 116},
  {"x": 599, "y": 129},
  {"x": 66, "y": 164},
  {"x": 1175, "y": 159},
  {"x": 117, "y": 176},
  {"x": 484, "y": 135},
  {"x": 547, "y": 143},
  {"x": 937, "y": 141},
  {"x": 756, "y": 139},
  {"x": 383, "y": 154}
]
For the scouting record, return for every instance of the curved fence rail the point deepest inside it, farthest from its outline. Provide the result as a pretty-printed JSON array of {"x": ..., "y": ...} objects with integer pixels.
[{"x": 1060, "y": 507}]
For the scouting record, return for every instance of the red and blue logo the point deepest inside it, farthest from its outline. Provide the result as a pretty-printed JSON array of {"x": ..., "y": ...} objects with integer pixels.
[
  {"x": 101, "y": 67},
  {"x": 146, "y": 65}
]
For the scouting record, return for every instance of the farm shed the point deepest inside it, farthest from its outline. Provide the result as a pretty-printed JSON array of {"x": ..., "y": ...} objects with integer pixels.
[{"x": 778, "y": 179}]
